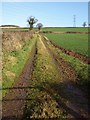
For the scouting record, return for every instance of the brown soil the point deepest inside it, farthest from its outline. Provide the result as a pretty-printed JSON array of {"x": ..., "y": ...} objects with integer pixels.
[
  {"x": 78, "y": 32},
  {"x": 13, "y": 103},
  {"x": 71, "y": 32},
  {"x": 68, "y": 32}
]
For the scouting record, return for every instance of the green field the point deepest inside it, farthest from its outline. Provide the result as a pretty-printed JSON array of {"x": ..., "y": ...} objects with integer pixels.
[
  {"x": 74, "y": 42},
  {"x": 66, "y": 29}
]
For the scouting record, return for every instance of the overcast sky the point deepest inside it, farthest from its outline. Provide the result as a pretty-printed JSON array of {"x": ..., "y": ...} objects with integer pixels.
[{"x": 48, "y": 13}]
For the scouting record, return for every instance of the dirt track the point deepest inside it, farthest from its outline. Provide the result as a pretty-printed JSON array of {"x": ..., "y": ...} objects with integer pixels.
[
  {"x": 13, "y": 103},
  {"x": 72, "y": 99}
]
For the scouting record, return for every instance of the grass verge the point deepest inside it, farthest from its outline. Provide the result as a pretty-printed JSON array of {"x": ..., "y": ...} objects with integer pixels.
[{"x": 42, "y": 104}]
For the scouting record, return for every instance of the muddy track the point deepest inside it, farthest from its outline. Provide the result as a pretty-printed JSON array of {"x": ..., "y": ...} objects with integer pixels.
[
  {"x": 83, "y": 58},
  {"x": 14, "y": 102},
  {"x": 77, "y": 109}
]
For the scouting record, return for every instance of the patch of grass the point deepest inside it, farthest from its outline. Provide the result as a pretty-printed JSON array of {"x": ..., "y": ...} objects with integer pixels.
[
  {"x": 43, "y": 105},
  {"x": 74, "y": 42}
]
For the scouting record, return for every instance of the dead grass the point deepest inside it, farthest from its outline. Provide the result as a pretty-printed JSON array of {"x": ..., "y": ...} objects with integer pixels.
[
  {"x": 10, "y": 74},
  {"x": 12, "y": 60}
]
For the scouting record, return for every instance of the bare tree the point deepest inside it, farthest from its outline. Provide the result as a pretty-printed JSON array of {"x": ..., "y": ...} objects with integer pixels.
[
  {"x": 84, "y": 24},
  {"x": 39, "y": 26},
  {"x": 31, "y": 21}
]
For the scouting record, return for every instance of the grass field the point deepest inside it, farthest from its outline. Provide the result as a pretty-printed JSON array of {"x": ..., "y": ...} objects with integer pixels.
[
  {"x": 66, "y": 29},
  {"x": 74, "y": 42}
]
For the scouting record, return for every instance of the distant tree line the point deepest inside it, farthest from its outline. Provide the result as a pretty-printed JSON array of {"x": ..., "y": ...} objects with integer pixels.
[{"x": 9, "y": 26}]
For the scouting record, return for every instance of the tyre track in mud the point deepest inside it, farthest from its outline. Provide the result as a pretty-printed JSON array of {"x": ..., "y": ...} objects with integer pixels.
[
  {"x": 13, "y": 103},
  {"x": 75, "y": 102}
]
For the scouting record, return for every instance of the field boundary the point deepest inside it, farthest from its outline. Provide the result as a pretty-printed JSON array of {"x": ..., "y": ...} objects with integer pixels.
[{"x": 83, "y": 58}]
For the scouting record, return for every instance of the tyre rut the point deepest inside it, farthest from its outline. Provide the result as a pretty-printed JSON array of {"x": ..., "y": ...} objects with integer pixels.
[{"x": 14, "y": 102}]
